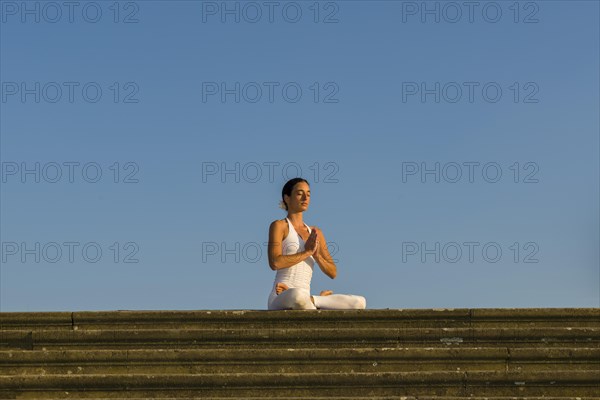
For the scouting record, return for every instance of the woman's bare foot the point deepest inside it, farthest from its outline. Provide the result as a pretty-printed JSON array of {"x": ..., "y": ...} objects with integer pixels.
[
  {"x": 323, "y": 293},
  {"x": 281, "y": 287}
]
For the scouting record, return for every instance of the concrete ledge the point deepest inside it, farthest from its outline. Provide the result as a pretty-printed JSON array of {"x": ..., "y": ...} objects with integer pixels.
[
  {"x": 81, "y": 318},
  {"x": 415, "y": 354},
  {"x": 590, "y": 337},
  {"x": 123, "y": 381},
  {"x": 219, "y": 361},
  {"x": 447, "y": 383},
  {"x": 407, "y": 354}
]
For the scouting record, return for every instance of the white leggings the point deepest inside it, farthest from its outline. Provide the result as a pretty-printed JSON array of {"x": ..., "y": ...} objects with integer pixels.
[{"x": 299, "y": 299}]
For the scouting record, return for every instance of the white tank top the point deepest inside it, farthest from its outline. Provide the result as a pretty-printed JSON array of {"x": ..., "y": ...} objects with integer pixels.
[{"x": 298, "y": 275}]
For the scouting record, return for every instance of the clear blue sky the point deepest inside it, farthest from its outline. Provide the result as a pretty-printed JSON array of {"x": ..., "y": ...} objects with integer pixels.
[{"x": 518, "y": 93}]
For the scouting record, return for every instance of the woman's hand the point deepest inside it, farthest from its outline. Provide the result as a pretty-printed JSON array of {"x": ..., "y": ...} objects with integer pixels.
[{"x": 312, "y": 244}]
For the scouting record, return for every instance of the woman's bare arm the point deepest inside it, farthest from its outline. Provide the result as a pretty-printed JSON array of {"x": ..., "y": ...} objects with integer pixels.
[{"x": 276, "y": 259}]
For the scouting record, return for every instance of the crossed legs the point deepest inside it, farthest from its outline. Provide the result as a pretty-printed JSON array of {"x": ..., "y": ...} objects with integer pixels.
[{"x": 300, "y": 299}]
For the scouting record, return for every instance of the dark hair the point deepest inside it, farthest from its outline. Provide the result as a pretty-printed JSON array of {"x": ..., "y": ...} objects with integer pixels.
[{"x": 289, "y": 185}]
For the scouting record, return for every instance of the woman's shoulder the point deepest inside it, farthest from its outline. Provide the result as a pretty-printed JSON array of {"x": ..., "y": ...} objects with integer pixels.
[
  {"x": 279, "y": 223},
  {"x": 279, "y": 227}
]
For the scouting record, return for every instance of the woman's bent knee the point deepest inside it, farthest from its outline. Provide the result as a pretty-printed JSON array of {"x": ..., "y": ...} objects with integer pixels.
[
  {"x": 293, "y": 299},
  {"x": 361, "y": 302},
  {"x": 300, "y": 299}
]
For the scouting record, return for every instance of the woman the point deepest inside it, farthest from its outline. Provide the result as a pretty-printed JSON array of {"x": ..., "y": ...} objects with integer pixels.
[{"x": 294, "y": 247}]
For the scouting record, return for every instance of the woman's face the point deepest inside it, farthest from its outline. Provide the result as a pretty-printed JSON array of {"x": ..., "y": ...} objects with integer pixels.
[{"x": 300, "y": 198}]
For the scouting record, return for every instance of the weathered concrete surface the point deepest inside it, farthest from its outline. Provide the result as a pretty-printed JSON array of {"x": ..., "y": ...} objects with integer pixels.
[
  {"x": 416, "y": 353},
  {"x": 446, "y": 317}
]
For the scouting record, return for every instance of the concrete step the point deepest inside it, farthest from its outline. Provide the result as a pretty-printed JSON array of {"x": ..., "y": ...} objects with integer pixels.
[
  {"x": 186, "y": 394},
  {"x": 332, "y": 319},
  {"x": 441, "y": 354},
  {"x": 424, "y": 397},
  {"x": 217, "y": 361},
  {"x": 497, "y": 383},
  {"x": 123, "y": 338}
]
